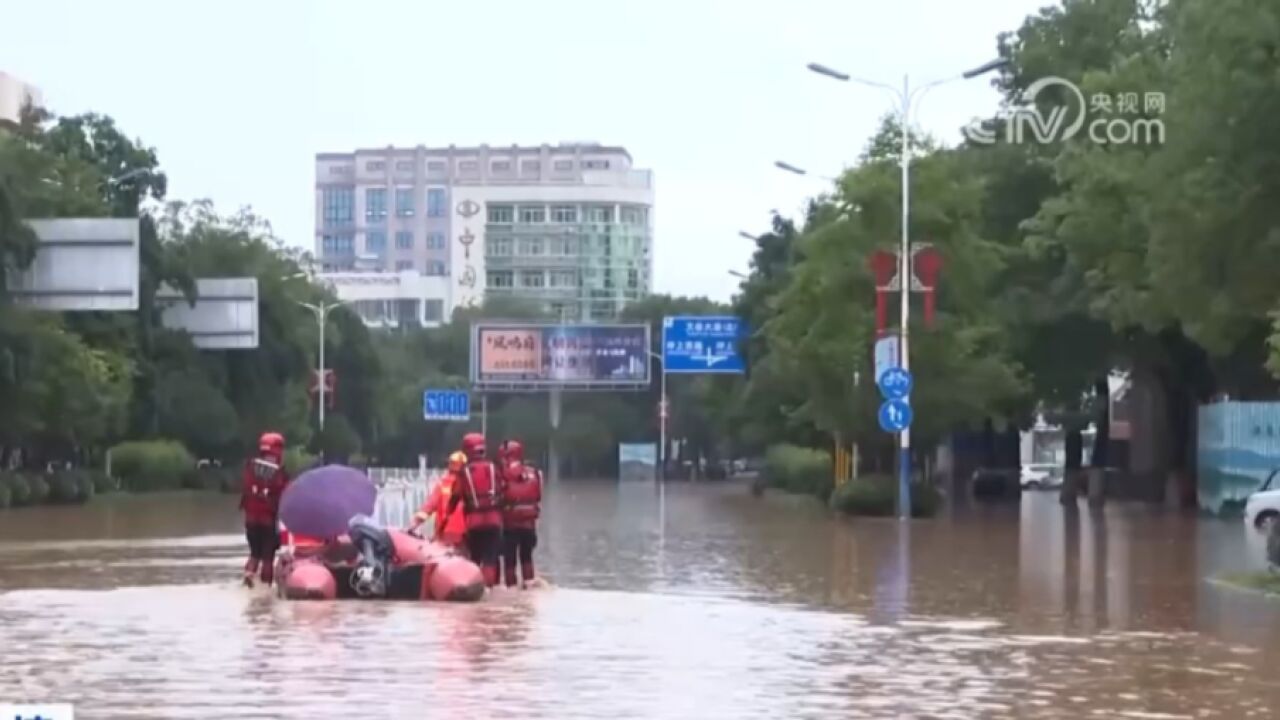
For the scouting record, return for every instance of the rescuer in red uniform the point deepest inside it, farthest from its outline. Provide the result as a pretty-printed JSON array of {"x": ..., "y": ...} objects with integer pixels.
[
  {"x": 449, "y": 528},
  {"x": 479, "y": 490},
  {"x": 263, "y": 483},
  {"x": 522, "y": 498}
]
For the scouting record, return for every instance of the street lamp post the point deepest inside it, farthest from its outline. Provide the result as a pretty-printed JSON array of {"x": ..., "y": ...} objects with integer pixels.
[
  {"x": 664, "y": 411},
  {"x": 321, "y": 312},
  {"x": 795, "y": 170},
  {"x": 905, "y": 97}
]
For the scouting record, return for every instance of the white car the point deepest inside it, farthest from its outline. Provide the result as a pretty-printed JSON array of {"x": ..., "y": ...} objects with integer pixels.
[
  {"x": 1035, "y": 477},
  {"x": 1263, "y": 507}
]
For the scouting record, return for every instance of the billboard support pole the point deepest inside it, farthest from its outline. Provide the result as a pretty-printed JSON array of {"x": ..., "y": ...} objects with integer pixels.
[
  {"x": 553, "y": 471},
  {"x": 484, "y": 415}
]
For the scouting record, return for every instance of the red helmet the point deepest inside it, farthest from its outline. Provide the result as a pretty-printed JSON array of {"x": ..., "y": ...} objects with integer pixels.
[
  {"x": 473, "y": 445},
  {"x": 271, "y": 442},
  {"x": 512, "y": 450}
]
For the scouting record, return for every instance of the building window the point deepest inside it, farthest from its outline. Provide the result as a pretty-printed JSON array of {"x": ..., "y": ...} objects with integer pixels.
[
  {"x": 404, "y": 202},
  {"x": 563, "y": 165},
  {"x": 337, "y": 244},
  {"x": 498, "y": 247},
  {"x": 375, "y": 242},
  {"x": 500, "y": 166},
  {"x": 402, "y": 265},
  {"x": 435, "y": 267},
  {"x": 437, "y": 166},
  {"x": 533, "y": 214},
  {"x": 404, "y": 240},
  {"x": 564, "y": 278},
  {"x": 435, "y": 241},
  {"x": 530, "y": 167},
  {"x": 532, "y": 279},
  {"x": 375, "y": 166},
  {"x": 435, "y": 202},
  {"x": 404, "y": 165},
  {"x": 469, "y": 167},
  {"x": 633, "y": 278},
  {"x": 595, "y": 164},
  {"x": 432, "y": 310},
  {"x": 338, "y": 205},
  {"x": 600, "y": 214},
  {"x": 633, "y": 216},
  {"x": 500, "y": 279},
  {"x": 564, "y": 214},
  {"x": 501, "y": 213},
  {"x": 340, "y": 170},
  {"x": 375, "y": 204},
  {"x": 532, "y": 247}
]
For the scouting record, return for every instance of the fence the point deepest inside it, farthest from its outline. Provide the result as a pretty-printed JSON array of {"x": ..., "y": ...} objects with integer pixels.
[{"x": 401, "y": 491}]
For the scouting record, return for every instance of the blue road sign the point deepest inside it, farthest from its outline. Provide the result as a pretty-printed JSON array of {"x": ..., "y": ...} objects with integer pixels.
[
  {"x": 702, "y": 345},
  {"x": 450, "y": 405},
  {"x": 895, "y": 416},
  {"x": 895, "y": 383}
]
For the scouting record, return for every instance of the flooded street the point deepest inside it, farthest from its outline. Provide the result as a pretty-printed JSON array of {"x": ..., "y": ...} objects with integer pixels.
[{"x": 713, "y": 604}]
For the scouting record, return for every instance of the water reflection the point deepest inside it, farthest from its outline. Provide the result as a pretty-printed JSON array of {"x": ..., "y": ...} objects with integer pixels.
[{"x": 693, "y": 601}]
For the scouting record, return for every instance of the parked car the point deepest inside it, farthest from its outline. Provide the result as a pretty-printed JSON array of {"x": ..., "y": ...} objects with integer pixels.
[
  {"x": 1263, "y": 506},
  {"x": 1041, "y": 476}
]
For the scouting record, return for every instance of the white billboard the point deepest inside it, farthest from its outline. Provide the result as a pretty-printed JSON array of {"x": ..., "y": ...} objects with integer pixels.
[
  {"x": 81, "y": 264},
  {"x": 224, "y": 317}
]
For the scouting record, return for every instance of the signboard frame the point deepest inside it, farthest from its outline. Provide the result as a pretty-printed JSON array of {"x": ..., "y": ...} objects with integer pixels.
[
  {"x": 516, "y": 385},
  {"x": 735, "y": 364}
]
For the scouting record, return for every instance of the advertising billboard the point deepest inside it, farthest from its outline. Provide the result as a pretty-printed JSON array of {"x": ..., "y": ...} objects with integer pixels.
[{"x": 584, "y": 356}]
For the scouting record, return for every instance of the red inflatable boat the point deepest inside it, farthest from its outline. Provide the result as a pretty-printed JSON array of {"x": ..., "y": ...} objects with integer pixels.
[{"x": 377, "y": 563}]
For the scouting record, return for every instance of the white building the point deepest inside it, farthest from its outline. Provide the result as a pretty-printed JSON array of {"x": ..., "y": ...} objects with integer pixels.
[
  {"x": 14, "y": 94},
  {"x": 392, "y": 299},
  {"x": 568, "y": 226}
]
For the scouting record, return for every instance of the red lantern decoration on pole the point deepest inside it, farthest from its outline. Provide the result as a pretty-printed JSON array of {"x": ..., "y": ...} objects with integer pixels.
[
  {"x": 884, "y": 265},
  {"x": 926, "y": 263}
]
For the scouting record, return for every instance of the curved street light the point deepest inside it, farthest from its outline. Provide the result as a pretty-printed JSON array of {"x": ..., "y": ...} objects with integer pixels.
[{"x": 905, "y": 97}]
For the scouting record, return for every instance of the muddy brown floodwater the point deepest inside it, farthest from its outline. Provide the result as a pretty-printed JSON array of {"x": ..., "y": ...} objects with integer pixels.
[{"x": 712, "y": 604}]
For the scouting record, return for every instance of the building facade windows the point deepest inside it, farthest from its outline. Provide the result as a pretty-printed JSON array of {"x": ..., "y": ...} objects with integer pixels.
[
  {"x": 375, "y": 204},
  {"x": 563, "y": 165},
  {"x": 338, "y": 206},
  {"x": 469, "y": 167},
  {"x": 500, "y": 279},
  {"x": 634, "y": 216},
  {"x": 402, "y": 265},
  {"x": 404, "y": 166},
  {"x": 530, "y": 168},
  {"x": 435, "y": 267},
  {"x": 500, "y": 167},
  {"x": 435, "y": 241},
  {"x": 564, "y": 214},
  {"x": 375, "y": 242},
  {"x": 595, "y": 164},
  {"x": 404, "y": 240},
  {"x": 533, "y": 214},
  {"x": 338, "y": 244},
  {"x": 437, "y": 167},
  {"x": 432, "y": 310},
  {"x": 600, "y": 214},
  {"x": 435, "y": 202},
  {"x": 498, "y": 247},
  {"x": 532, "y": 247},
  {"x": 533, "y": 279},
  {"x": 501, "y": 214},
  {"x": 375, "y": 166},
  {"x": 404, "y": 202}
]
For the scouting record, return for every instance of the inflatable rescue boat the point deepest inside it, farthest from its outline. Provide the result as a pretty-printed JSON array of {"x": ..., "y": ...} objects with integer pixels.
[{"x": 377, "y": 563}]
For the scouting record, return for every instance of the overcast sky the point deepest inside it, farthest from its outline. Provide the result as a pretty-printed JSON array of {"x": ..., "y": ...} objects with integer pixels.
[{"x": 237, "y": 96}]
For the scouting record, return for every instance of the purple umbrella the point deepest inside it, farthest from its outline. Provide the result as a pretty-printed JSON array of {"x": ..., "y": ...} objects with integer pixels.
[{"x": 322, "y": 501}]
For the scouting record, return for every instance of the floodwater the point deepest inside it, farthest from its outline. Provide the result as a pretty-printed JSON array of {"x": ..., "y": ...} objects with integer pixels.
[{"x": 706, "y": 603}]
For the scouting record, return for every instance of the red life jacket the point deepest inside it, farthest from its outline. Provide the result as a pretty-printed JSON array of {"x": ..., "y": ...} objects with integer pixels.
[
  {"x": 260, "y": 496},
  {"x": 522, "y": 495},
  {"x": 481, "y": 495}
]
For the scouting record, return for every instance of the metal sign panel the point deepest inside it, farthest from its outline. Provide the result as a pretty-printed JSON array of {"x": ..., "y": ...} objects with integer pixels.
[
  {"x": 224, "y": 317},
  {"x": 702, "y": 345},
  {"x": 886, "y": 355},
  {"x": 528, "y": 356},
  {"x": 81, "y": 264},
  {"x": 449, "y": 405}
]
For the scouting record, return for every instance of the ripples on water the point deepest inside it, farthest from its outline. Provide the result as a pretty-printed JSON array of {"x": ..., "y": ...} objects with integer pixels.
[{"x": 717, "y": 606}]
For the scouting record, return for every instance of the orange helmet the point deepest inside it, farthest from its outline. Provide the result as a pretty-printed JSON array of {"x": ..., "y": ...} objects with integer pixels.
[
  {"x": 457, "y": 461},
  {"x": 473, "y": 446}
]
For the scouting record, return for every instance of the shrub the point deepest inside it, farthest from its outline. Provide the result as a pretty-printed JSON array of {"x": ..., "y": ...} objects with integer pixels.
[
  {"x": 151, "y": 465},
  {"x": 214, "y": 479},
  {"x": 101, "y": 482},
  {"x": 66, "y": 487},
  {"x": 6, "y": 496},
  {"x": 877, "y": 496},
  {"x": 298, "y": 461},
  {"x": 19, "y": 489},
  {"x": 799, "y": 470},
  {"x": 39, "y": 489}
]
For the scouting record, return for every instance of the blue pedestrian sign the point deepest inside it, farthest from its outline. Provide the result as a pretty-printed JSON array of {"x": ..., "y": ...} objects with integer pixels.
[
  {"x": 449, "y": 405},
  {"x": 895, "y": 383},
  {"x": 895, "y": 416},
  {"x": 702, "y": 345}
]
